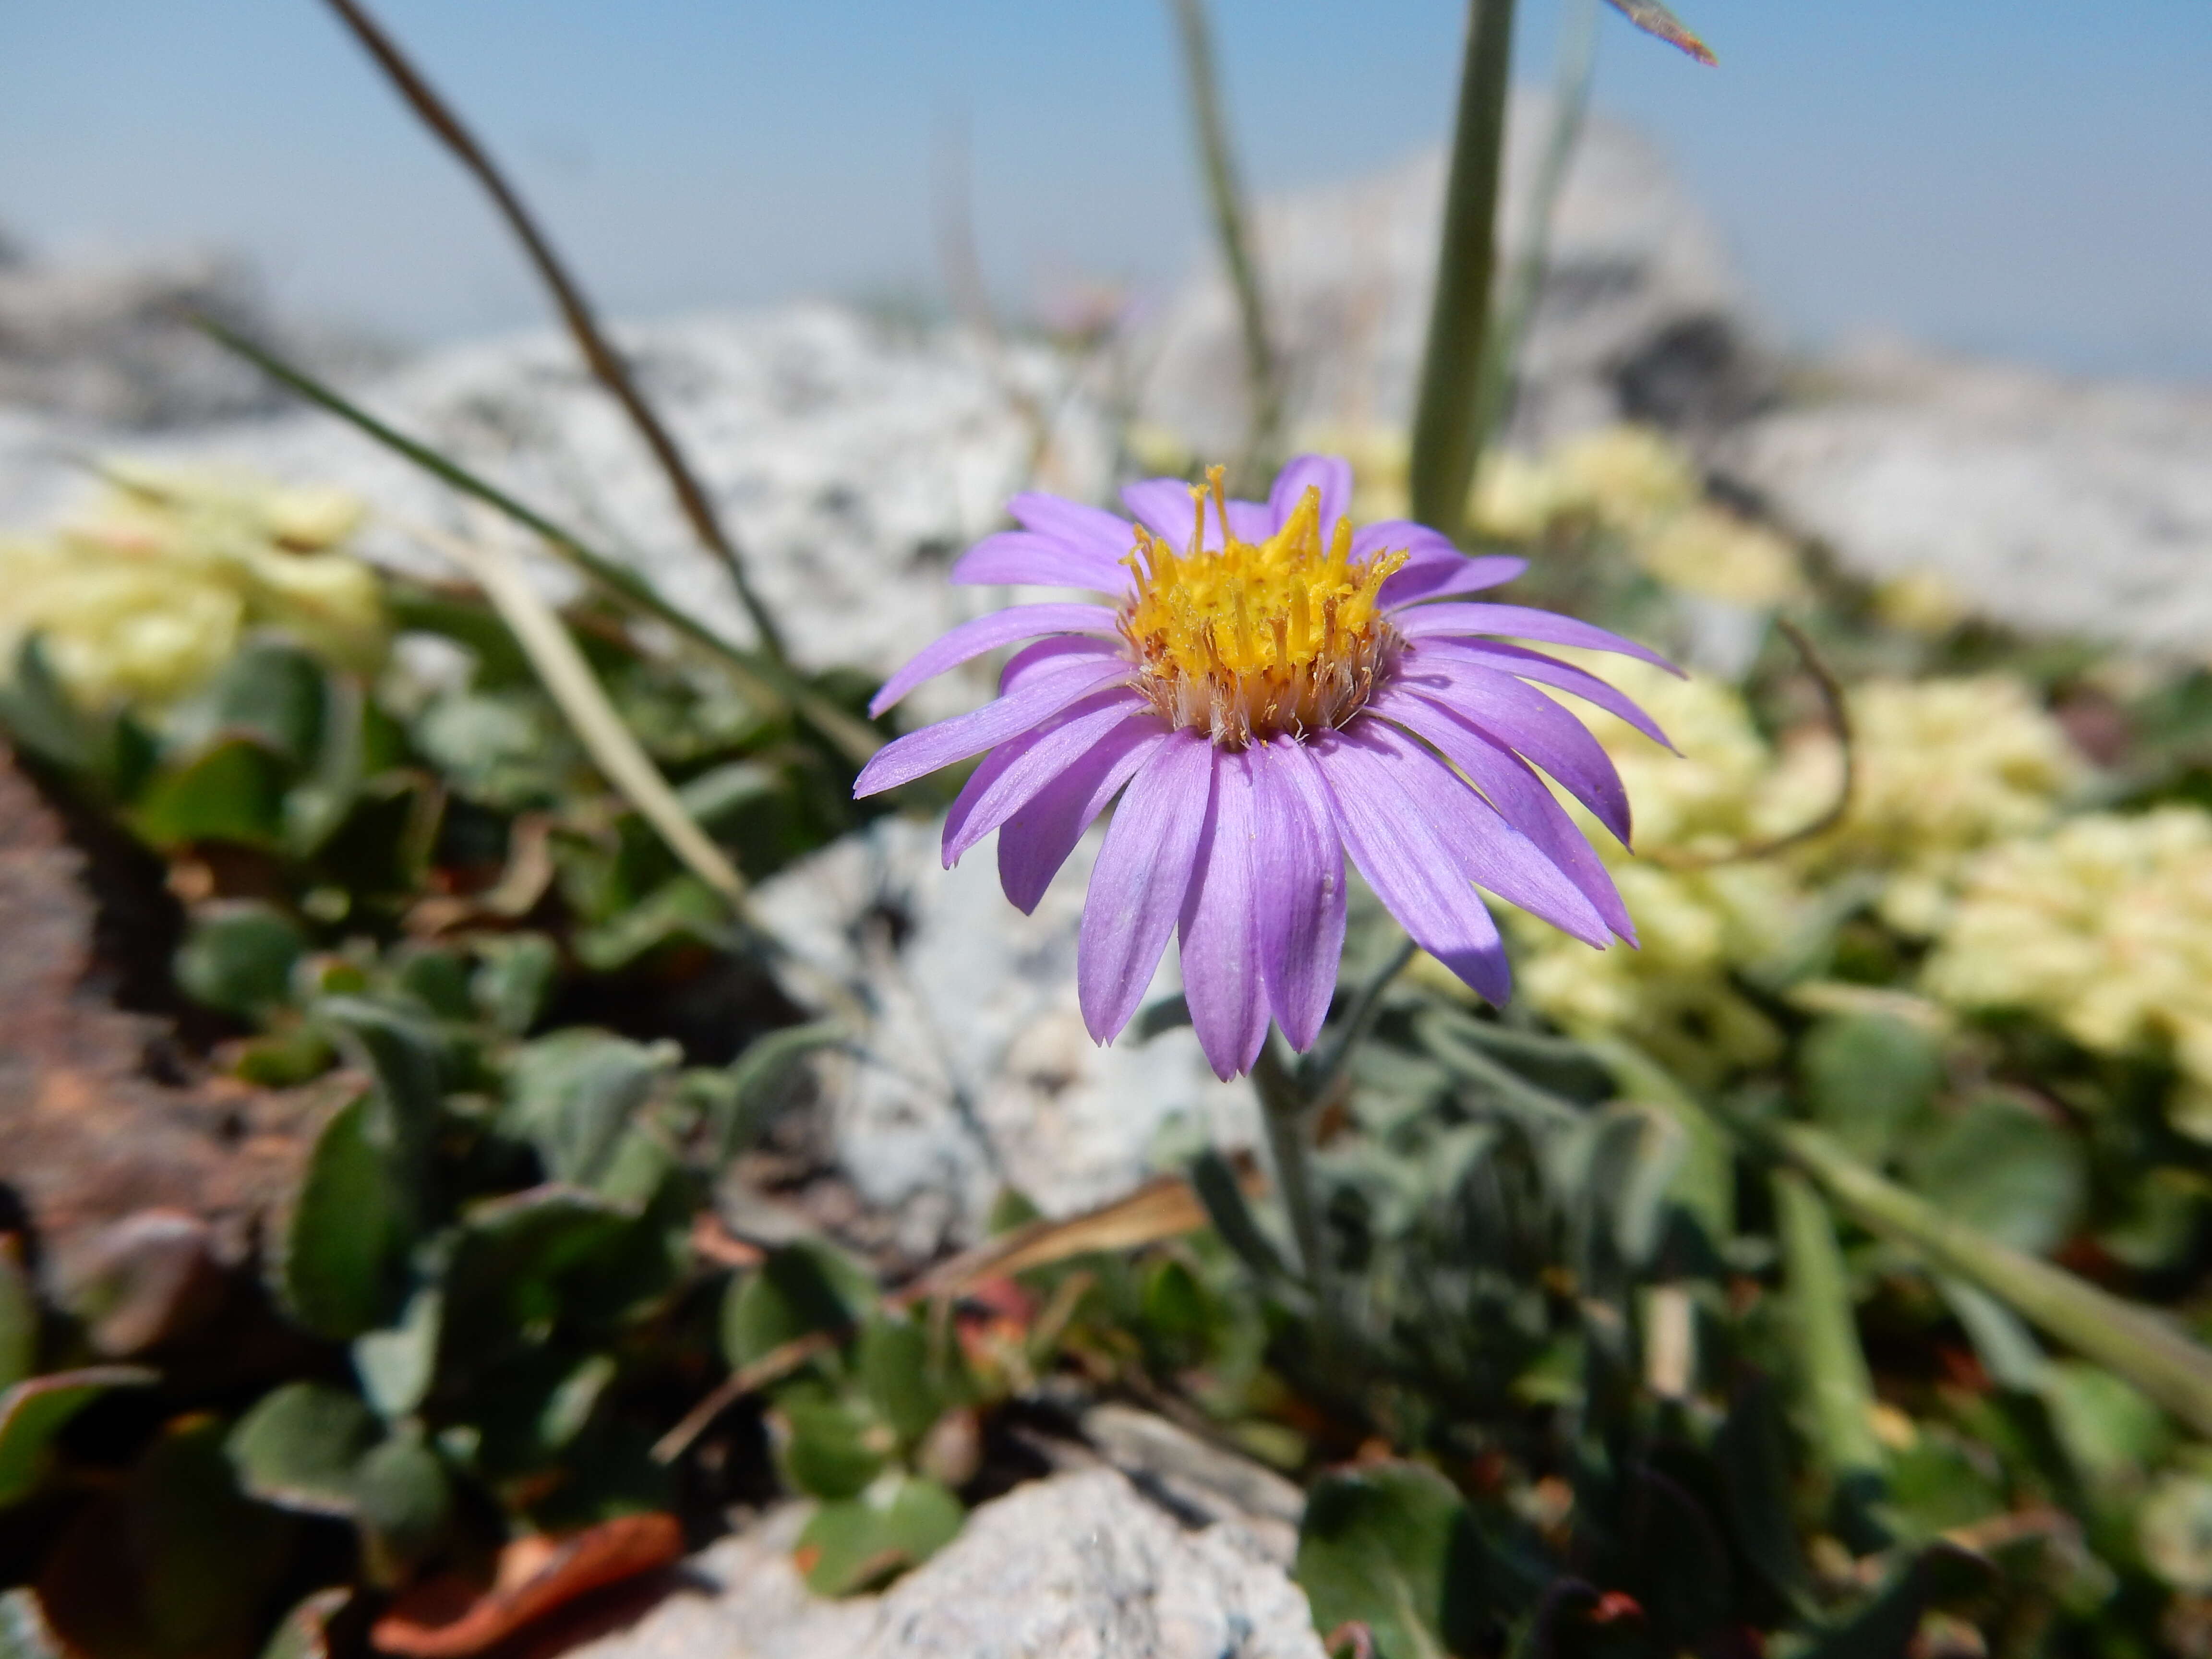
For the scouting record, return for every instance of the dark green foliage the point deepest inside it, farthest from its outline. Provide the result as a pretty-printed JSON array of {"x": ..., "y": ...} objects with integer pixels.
[
  {"x": 1393, "y": 1546},
  {"x": 34, "y": 1411},
  {"x": 172, "y": 1563}
]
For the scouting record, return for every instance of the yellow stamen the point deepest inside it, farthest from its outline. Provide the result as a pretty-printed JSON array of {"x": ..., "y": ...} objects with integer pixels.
[{"x": 1253, "y": 639}]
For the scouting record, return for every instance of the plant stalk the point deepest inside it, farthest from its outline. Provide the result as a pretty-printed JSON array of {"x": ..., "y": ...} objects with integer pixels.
[
  {"x": 1318, "y": 1076},
  {"x": 1224, "y": 195},
  {"x": 1447, "y": 435},
  {"x": 2131, "y": 1341},
  {"x": 1841, "y": 1390},
  {"x": 1287, "y": 1112},
  {"x": 1524, "y": 282}
]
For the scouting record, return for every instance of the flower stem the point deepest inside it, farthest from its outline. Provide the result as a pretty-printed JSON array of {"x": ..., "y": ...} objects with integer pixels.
[
  {"x": 1523, "y": 285},
  {"x": 2132, "y": 1340},
  {"x": 1225, "y": 196},
  {"x": 1288, "y": 1111},
  {"x": 1447, "y": 438},
  {"x": 1318, "y": 1076}
]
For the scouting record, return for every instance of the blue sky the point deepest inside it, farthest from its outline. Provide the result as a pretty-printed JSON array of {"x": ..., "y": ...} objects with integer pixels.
[{"x": 2033, "y": 178}]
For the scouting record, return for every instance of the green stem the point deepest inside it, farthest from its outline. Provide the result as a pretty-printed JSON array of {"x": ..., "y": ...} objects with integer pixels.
[
  {"x": 1820, "y": 1298},
  {"x": 1318, "y": 1078},
  {"x": 1524, "y": 282},
  {"x": 1447, "y": 439},
  {"x": 1224, "y": 195},
  {"x": 1287, "y": 1112},
  {"x": 2126, "y": 1339}
]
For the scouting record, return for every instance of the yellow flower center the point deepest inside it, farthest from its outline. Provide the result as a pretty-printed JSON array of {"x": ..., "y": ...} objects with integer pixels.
[{"x": 1253, "y": 639}]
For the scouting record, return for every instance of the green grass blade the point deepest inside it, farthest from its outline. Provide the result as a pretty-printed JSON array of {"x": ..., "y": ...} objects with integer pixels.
[
  {"x": 769, "y": 686},
  {"x": 1839, "y": 1391},
  {"x": 1447, "y": 438},
  {"x": 568, "y": 680},
  {"x": 1524, "y": 283},
  {"x": 1224, "y": 196},
  {"x": 2126, "y": 1339}
]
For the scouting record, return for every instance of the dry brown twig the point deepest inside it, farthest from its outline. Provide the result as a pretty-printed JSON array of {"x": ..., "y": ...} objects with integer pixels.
[
  {"x": 1839, "y": 720},
  {"x": 606, "y": 363},
  {"x": 1162, "y": 1208}
]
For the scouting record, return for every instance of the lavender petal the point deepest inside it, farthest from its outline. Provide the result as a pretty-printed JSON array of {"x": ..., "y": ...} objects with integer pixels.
[
  {"x": 1526, "y": 721},
  {"x": 1517, "y": 792},
  {"x": 1433, "y": 575},
  {"x": 1037, "y": 840},
  {"x": 1163, "y": 506},
  {"x": 1298, "y": 885},
  {"x": 1021, "y": 558},
  {"x": 997, "y": 792},
  {"x": 1138, "y": 885},
  {"x": 1492, "y": 853},
  {"x": 904, "y": 759},
  {"x": 1091, "y": 530},
  {"x": 1053, "y": 655},
  {"x": 1221, "y": 978},
  {"x": 1420, "y": 543},
  {"x": 1329, "y": 474},
  {"x": 1524, "y": 663},
  {"x": 1408, "y": 862},
  {"x": 971, "y": 639},
  {"x": 1518, "y": 622}
]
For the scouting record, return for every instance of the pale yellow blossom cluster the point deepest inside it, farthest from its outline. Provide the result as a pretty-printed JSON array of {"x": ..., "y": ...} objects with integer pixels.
[
  {"x": 1943, "y": 768},
  {"x": 1675, "y": 995},
  {"x": 1946, "y": 767},
  {"x": 151, "y": 591},
  {"x": 1636, "y": 482},
  {"x": 2103, "y": 927}
]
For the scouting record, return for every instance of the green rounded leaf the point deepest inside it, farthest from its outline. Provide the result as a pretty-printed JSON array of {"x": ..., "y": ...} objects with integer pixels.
[
  {"x": 269, "y": 693},
  {"x": 299, "y": 1446},
  {"x": 36, "y": 1410},
  {"x": 405, "y": 1506},
  {"x": 828, "y": 1448},
  {"x": 173, "y": 1563},
  {"x": 573, "y": 1094},
  {"x": 514, "y": 978},
  {"x": 1865, "y": 1077},
  {"x": 344, "y": 1263},
  {"x": 801, "y": 1288},
  {"x": 892, "y": 1358},
  {"x": 2005, "y": 1170},
  {"x": 237, "y": 958},
  {"x": 233, "y": 792},
  {"x": 19, "y": 1319},
  {"x": 862, "y": 1543}
]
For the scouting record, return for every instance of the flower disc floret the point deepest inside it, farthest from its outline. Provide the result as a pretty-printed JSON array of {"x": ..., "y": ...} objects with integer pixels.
[{"x": 1248, "y": 640}]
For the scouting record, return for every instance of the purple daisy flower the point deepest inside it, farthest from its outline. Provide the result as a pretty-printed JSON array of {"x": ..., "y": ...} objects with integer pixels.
[{"x": 1271, "y": 688}]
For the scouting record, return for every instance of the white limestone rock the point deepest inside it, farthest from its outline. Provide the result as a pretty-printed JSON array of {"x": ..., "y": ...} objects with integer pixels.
[
  {"x": 1641, "y": 313},
  {"x": 978, "y": 1072},
  {"x": 2054, "y": 505},
  {"x": 853, "y": 460},
  {"x": 1079, "y": 1566}
]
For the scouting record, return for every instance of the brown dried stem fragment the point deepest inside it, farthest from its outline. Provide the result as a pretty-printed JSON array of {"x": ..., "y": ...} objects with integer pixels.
[
  {"x": 1840, "y": 718},
  {"x": 606, "y": 363}
]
